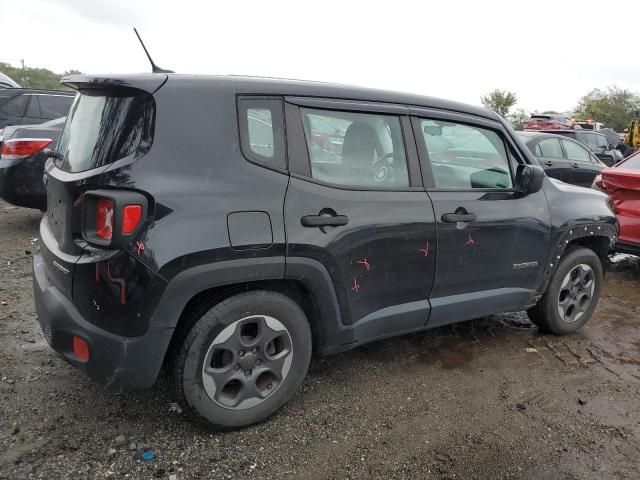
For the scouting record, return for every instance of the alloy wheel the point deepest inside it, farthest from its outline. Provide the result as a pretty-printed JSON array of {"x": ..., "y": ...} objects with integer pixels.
[{"x": 247, "y": 362}]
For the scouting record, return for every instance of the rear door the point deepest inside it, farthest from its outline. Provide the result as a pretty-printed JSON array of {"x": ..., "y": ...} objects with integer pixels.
[
  {"x": 552, "y": 159},
  {"x": 356, "y": 205},
  {"x": 583, "y": 167},
  {"x": 492, "y": 242}
]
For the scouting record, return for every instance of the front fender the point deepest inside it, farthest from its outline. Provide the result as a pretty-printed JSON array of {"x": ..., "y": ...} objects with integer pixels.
[{"x": 579, "y": 216}]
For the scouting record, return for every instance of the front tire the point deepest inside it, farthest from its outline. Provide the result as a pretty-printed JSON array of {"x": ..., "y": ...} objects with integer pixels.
[
  {"x": 572, "y": 295},
  {"x": 243, "y": 359}
]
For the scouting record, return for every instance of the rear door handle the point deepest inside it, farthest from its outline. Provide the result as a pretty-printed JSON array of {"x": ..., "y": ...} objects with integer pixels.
[
  {"x": 324, "y": 220},
  {"x": 459, "y": 217},
  {"x": 548, "y": 163},
  {"x": 575, "y": 165}
]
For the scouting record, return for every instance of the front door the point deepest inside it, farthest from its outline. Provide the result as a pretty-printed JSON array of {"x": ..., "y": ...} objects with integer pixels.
[
  {"x": 492, "y": 242},
  {"x": 356, "y": 205}
]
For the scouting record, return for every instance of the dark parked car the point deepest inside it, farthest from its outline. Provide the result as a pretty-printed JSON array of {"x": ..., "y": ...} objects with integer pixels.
[
  {"x": 563, "y": 158},
  {"x": 24, "y": 106},
  {"x": 23, "y": 153},
  {"x": 179, "y": 233},
  {"x": 597, "y": 143}
]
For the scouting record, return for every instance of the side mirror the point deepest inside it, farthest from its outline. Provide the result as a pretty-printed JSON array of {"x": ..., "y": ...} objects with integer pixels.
[{"x": 529, "y": 179}]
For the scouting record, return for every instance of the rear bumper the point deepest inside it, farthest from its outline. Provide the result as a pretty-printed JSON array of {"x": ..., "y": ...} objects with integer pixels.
[{"x": 114, "y": 360}]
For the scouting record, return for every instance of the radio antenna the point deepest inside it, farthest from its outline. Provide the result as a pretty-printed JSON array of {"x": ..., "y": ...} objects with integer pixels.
[{"x": 154, "y": 68}]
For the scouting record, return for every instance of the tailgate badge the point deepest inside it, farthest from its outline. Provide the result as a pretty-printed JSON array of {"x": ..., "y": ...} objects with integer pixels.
[{"x": 60, "y": 267}]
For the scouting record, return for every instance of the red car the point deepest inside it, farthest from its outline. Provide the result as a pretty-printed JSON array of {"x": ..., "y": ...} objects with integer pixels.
[
  {"x": 622, "y": 183},
  {"x": 549, "y": 122}
]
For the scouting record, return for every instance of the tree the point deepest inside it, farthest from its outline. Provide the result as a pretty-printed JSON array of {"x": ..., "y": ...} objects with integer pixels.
[
  {"x": 615, "y": 107},
  {"x": 518, "y": 118},
  {"x": 500, "y": 101},
  {"x": 35, "y": 77}
]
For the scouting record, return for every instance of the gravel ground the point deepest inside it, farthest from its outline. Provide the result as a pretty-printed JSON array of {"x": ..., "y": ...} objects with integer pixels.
[{"x": 490, "y": 398}]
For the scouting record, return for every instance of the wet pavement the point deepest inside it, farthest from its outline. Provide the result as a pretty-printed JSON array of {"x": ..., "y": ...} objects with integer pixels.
[{"x": 489, "y": 398}]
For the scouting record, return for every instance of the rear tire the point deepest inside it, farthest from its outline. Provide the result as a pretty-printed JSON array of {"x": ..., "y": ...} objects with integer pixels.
[
  {"x": 243, "y": 359},
  {"x": 572, "y": 295}
]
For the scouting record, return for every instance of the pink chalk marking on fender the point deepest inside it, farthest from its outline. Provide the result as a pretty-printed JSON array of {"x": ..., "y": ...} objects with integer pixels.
[
  {"x": 356, "y": 286},
  {"x": 425, "y": 251},
  {"x": 470, "y": 242},
  {"x": 364, "y": 263},
  {"x": 140, "y": 247}
]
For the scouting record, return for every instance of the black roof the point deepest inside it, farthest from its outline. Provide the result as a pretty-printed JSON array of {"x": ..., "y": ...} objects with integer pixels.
[{"x": 273, "y": 86}]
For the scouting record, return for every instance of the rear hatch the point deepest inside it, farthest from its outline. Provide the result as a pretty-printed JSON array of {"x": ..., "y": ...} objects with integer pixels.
[
  {"x": 110, "y": 120},
  {"x": 547, "y": 122}
]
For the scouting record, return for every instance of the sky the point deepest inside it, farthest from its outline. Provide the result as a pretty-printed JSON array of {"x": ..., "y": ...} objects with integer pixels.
[{"x": 549, "y": 53}]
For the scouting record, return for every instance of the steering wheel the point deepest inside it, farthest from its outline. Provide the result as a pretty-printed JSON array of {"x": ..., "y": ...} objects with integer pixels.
[{"x": 382, "y": 171}]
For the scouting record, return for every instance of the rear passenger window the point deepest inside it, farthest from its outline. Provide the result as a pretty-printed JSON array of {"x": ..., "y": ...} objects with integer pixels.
[
  {"x": 576, "y": 152},
  {"x": 550, "y": 148},
  {"x": 355, "y": 149},
  {"x": 465, "y": 157},
  {"x": 262, "y": 131}
]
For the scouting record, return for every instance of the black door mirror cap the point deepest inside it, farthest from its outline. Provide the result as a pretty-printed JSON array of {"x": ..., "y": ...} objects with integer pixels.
[{"x": 529, "y": 179}]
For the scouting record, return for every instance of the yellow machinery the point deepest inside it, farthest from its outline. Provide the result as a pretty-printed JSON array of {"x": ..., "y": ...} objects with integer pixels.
[{"x": 633, "y": 137}]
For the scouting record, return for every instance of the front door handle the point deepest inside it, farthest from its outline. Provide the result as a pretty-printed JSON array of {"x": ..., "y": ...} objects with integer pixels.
[
  {"x": 459, "y": 217},
  {"x": 575, "y": 165},
  {"x": 324, "y": 220},
  {"x": 548, "y": 163}
]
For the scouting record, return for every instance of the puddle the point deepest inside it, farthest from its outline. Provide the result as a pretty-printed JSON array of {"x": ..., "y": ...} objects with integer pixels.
[{"x": 613, "y": 333}]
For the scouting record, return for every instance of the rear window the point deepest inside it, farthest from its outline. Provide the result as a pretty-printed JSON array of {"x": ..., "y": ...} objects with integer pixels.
[
  {"x": 102, "y": 128},
  {"x": 54, "y": 106},
  {"x": 13, "y": 107}
]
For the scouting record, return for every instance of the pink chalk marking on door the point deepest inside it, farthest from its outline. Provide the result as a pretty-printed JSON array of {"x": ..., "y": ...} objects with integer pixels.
[
  {"x": 356, "y": 286},
  {"x": 425, "y": 251},
  {"x": 470, "y": 242}
]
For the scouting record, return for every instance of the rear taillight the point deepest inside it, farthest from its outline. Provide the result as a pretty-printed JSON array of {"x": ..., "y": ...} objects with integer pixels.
[
  {"x": 131, "y": 215},
  {"x": 17, "y": 148},
  {"x": 104, "y": 218},
  {"x": 112, "y": 218},
  {"x": 598, "y": 184}
]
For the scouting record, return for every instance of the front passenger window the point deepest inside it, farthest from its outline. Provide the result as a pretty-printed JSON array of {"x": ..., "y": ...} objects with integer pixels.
[
  {"x": 466, "y": 157},
  {"x": 355, "y": 149}
]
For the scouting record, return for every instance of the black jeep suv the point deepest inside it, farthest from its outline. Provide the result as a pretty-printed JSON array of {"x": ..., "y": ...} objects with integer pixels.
[{"x": 226, "y": 227}]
